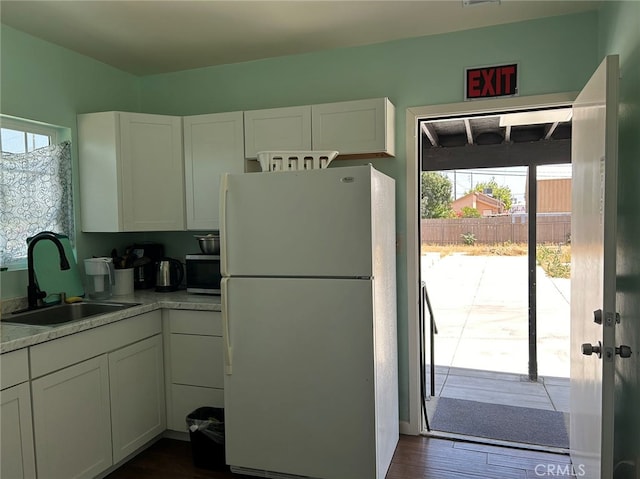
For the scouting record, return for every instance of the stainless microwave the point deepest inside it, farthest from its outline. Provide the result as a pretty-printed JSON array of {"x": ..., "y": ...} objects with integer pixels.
[{"x": 203, "y": 273}]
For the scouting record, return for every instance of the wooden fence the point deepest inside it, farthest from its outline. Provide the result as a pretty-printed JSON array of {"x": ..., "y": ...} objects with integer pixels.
[{"x": 552, "y": 228}]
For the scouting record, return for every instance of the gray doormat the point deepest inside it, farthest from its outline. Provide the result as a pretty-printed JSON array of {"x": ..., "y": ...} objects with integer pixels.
[{"x": 504, "y": 423}]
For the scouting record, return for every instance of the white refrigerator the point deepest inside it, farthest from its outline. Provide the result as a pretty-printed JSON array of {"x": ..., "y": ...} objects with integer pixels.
[{"x": 309, "y": 321}]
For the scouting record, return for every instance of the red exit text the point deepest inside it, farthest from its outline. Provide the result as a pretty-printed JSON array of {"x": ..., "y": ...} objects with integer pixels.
[{"x": 489, "y": 82}]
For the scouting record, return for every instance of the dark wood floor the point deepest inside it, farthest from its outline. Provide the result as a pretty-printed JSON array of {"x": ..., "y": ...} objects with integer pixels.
[{"x": 415, "y": 458}]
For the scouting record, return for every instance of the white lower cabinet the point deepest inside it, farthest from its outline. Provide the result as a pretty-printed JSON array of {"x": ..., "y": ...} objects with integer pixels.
[
  {"x": 72, "y": 421},
  {"x": 196, "y": 360},
  {"x": 98, "y": 396},
  {"x": 17, "y": 458},
  {"x": 195, "y": 375},
  {"x": 136, "y": 380},
  {"x": 16, "y": 433}
]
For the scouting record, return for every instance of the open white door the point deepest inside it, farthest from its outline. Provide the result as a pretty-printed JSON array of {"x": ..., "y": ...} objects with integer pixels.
[{"x": 593, "y": 272}]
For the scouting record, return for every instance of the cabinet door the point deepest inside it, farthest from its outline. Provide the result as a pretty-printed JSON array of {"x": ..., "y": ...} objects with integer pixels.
[
  {"x": 213, "y": 145},
  {"x": 360, "y": 127},
  {"x": 99, "y": 171},
  {"x": 72, "y": 421},
  {"x": 152, "y": 172},
  {"x": 137, "y": 395},
  {"x": 196, "y": 360},
  {"x": 16, "y": 430},
  {"x": 277, "y": 129},
  {"x": 202, "y": 323}
]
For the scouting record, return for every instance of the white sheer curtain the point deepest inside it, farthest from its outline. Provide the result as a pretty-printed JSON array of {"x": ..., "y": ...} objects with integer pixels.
[{"x": 35, "y": 195}]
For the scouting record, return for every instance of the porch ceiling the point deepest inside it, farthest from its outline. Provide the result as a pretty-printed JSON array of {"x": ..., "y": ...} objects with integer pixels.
[{"x": 491, "y": 140}]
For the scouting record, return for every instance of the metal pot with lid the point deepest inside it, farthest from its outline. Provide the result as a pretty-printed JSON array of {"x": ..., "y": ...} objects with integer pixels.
[{"x": 209, "y": 244}]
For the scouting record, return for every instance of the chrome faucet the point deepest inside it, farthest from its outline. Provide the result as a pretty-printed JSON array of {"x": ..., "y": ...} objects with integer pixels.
[{"x": 33, "y": 294}]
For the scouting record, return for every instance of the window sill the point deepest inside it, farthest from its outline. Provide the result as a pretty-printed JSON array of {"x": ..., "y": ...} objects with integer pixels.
[{"x": 15, "y": 266}]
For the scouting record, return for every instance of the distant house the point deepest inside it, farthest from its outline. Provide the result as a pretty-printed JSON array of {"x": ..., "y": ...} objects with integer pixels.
[
  {"x": 554, "y": 195},
  {"x": 485, "y": 204}
]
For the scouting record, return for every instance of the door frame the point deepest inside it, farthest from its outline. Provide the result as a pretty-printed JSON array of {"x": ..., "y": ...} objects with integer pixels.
[{"x": 414, "y": 424}]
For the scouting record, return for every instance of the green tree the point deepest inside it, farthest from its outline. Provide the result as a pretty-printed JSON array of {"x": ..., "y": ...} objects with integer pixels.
[
  {"x": 502, "y": 193},
  {"x": 469, "y": 212},
  {"x": 435, "y": 195}
]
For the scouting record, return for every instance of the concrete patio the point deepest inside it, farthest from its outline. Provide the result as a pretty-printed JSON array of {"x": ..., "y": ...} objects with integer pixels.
[{"x": 480, "y": 304}]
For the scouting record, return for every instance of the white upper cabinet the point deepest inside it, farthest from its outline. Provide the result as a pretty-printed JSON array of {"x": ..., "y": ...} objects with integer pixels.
[
  {"x": 279, "y": 129},
  {"x": 213, "y": 145},
  {"x": 131, "y": 172},
  {"x": 360, "y": 127}
]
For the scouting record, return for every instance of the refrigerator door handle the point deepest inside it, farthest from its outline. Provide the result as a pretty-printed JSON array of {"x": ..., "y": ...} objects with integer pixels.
[
  {"x": 224, "y": 187},
  {"x": 225, "y": 330}
]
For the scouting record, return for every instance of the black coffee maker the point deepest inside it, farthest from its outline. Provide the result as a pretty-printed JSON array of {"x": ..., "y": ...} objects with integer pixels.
[{"x": 144, "y": 266}]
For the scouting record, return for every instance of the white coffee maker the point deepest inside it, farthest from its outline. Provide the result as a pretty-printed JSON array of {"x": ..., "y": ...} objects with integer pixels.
[{"x": 100, "y": 277}]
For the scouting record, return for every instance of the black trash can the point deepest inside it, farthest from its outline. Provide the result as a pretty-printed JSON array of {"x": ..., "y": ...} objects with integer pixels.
[{"x": 206, "y": 432}]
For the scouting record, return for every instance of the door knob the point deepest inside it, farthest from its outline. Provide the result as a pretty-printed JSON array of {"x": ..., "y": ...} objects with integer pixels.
[
  {"x": 597, "y": 316},
  {"x": 589, "y": 349},
  {"x": 624, "y": 351}
]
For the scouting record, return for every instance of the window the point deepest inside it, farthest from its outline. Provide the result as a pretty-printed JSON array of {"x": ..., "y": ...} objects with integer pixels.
[
  {"x": 19, "y": 141},
  {"x": 35, "y": 187}
]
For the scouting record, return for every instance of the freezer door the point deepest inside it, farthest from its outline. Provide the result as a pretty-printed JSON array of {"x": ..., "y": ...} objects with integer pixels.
[
  {"x": 315, "y": 223},
  {"x": 300, "y": 396}
]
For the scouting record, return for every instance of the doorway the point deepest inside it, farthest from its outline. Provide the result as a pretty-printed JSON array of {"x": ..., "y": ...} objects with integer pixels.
[
  {"x": 462, "y": 164},
  {"x": 475, "y": 272}
]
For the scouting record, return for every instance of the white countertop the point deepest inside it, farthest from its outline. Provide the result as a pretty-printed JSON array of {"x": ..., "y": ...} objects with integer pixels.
[{"x": 17, "y": 336}]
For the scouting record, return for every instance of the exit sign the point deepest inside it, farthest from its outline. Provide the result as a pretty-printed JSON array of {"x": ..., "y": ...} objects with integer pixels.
[{"x": 491, "y": 82}]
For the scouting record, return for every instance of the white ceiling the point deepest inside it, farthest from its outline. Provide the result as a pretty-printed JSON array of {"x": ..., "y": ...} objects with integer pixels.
[{"x": 157, "y": 36}]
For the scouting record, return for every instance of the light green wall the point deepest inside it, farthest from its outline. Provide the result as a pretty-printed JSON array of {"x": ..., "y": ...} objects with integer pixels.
[
  {"x": 47, "y": 83},
  {"x": 620, "y": 34},
  {"x": 420, "y": 71},
  {"x": 555, "y": 55},
  {"x": 43, "y": 82}
]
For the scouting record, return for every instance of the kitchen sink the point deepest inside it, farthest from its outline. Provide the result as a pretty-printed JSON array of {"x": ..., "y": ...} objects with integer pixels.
[{"x": 65, "y": 313}]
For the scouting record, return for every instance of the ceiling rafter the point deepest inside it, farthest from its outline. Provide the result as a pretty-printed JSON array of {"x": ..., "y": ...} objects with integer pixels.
[
  {"x": 507, "y": 134},
  {"x": 430, "y": 133},
  {"x": 467, "y": 127},
  {"x": 550, "y": 129}
]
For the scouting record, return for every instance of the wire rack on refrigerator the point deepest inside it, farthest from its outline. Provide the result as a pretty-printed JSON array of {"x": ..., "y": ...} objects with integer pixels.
[{"x": 295, "y": 160}]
